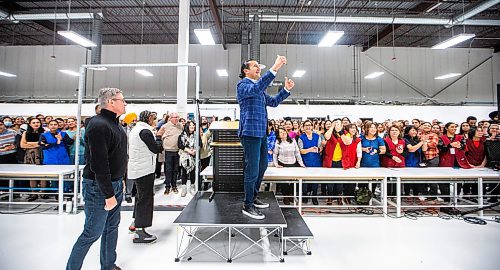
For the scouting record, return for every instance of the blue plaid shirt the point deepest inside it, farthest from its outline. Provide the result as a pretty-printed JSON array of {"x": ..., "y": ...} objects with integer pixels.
[{"x": 253, "y": 99}]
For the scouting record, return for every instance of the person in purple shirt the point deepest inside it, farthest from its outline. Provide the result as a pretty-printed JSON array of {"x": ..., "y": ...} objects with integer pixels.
[{"x": 253, "y": 99}]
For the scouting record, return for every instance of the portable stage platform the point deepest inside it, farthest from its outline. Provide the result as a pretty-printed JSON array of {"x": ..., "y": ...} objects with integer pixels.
[{"x": 224, "y": 215}]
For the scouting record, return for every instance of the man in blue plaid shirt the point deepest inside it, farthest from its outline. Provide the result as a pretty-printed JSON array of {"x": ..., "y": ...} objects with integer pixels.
[{"x": 253, "y": 99}]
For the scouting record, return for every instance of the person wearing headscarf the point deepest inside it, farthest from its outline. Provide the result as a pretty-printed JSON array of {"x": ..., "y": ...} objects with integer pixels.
[{"x": 141, "y": 168}]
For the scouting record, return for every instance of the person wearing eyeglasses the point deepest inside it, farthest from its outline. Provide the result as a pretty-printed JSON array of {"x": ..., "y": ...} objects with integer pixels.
[
  {"x": 106, "y": 159},
  {"x": 170, "y": 133},
  {"x": 253, "y": 100}
]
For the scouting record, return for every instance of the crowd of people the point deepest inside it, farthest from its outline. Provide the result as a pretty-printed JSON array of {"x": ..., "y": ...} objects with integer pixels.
[
  {"x": 337, "y": 143},
  {"x": 340, "y": 143}
]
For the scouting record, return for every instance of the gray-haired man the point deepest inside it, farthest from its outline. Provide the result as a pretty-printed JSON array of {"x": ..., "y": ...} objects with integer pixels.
[{"x": 106, "y": 159}]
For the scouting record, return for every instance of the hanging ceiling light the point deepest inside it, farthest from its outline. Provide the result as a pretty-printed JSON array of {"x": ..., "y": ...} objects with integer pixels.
[
  {"x": 453, "y": 41},
  {"x": 222, "y": 73},
  {"x": 204, "y": 36},
  {"x": 447, "y": 76},
  {"x": 75, "y": 37},
  {"x": 433, "y": 7},
  {"x": 70, "y": 72},
  {"x": 298, "y": 73},
  {"x": 330, "y": 38},
  {"x": 144, "y": 72},
  {"x": 374, "y": 75},
  {"x": 7, "y": 74}
]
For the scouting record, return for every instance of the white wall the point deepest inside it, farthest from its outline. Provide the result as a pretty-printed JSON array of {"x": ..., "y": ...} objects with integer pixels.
[
  {"x": 329, "y": 71},
  {"x": 354, "y": 112}
]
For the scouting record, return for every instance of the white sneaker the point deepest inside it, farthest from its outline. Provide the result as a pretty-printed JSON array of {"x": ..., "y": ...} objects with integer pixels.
[
  {"x": 183, "y": 191},
  {"x": 439, "y": 199},
  {"x": 192, "y": 190}
]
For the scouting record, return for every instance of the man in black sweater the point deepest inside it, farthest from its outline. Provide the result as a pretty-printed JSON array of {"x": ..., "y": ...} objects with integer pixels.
[{"x": 106, "y": 159}]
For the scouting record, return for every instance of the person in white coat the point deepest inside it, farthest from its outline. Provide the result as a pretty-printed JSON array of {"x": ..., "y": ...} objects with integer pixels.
[{"x": 141, "y": 168}]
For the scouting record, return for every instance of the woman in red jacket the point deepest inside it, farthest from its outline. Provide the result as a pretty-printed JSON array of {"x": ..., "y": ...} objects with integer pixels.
[
  {"x": 393, "y": 157},
  {"x": 451, "y": 153},
  {"x": 395, "y": 146},
  {"x": 475, "y": 153},
  {"x": 332, "y": 156},
  {"x": 351, "y": 154}
]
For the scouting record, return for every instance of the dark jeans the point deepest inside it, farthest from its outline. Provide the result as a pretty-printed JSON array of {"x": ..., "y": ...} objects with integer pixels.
[
  {"x": 98, "y": 223},
  {"x": 129, "y": 187},
  {"x": 144, "y": 199},
  {"x": 158, "y": 168},
  {"x": 171, "y": 169},
  {"x": 335, "y": 189},
  {"x": 255, "y": 152},
  {"x": 185, "y": 176}
]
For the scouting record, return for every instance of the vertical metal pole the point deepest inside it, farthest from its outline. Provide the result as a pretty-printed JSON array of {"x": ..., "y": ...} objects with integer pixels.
[
  {"x": 197, "y": 131},
  {"x": 300, "y": 196},
  {"x": 455, "y": 193},
  {"x": 76, "y": 180},
  {"x": 384, "y": 196},
  {"x": 11, "y": 190},
  {"x": 230, "y": 257},
  {"x": 294, "y": 193},
  {"x": 60, "y": 193},
  {"x": 480, "y": 194},
  {"x": 183, "y": 57},
  {"x": 398, "y": 196}
]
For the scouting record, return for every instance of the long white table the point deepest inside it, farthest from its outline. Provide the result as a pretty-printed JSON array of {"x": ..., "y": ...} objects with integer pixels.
[
  {"x": 442, "y": 175},
  {"x": 12, "y": 172},
  {"x": 299, "y": 175},
  {"x": 401, "y": 175}
]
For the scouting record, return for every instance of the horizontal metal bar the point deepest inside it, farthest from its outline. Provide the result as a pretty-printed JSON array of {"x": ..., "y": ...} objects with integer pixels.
[{"x": 144, "y": 65}]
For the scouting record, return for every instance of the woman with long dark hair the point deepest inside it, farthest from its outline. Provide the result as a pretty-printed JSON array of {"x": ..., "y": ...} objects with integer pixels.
[
  {"x": 33, "y": 155},
  {"x": 54, "y": 145},
  {"x": 414, "y": 156},
  {"x": 451, "y": 153},
  {"x": 187, "y": 153}
]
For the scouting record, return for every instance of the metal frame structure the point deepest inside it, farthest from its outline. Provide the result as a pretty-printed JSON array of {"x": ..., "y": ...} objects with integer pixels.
[
  {"x": 189, "y": 232},
  {"x": 25, "y": 172},
  {"x": 399, "y": 176},
  {"x": 81, "y": 87}
]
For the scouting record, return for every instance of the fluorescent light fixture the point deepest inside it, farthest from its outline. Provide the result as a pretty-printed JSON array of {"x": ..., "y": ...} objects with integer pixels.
[
  {"x": 453, "y": 41},
  {"x": 447, "y": 76},
  {"x": 298, "y": 73},
  {"x": 374, "y": 75},
  {"x": 52, "y": 16},
  {"x": 330, "y": 38},
  {"x": 222, "y": 73},
  {"x": 144, "y": 72},
  {"x": 70, "y": 72},
  {"x": 81, "y": 40},
  {"x": 433, "y": 7},
  {"x": 99, "y": 68},
  {"x": 7, "y": 74},
  {"x": 204, "y": 36}
]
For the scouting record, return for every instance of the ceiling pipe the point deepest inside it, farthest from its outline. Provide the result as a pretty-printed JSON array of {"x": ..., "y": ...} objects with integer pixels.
[
  {"x": 474, "y": 10},
  {"x": 373, "y": 19}
]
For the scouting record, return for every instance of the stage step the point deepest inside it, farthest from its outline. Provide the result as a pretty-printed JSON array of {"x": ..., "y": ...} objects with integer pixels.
[{"x": 296, "y": 233}]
